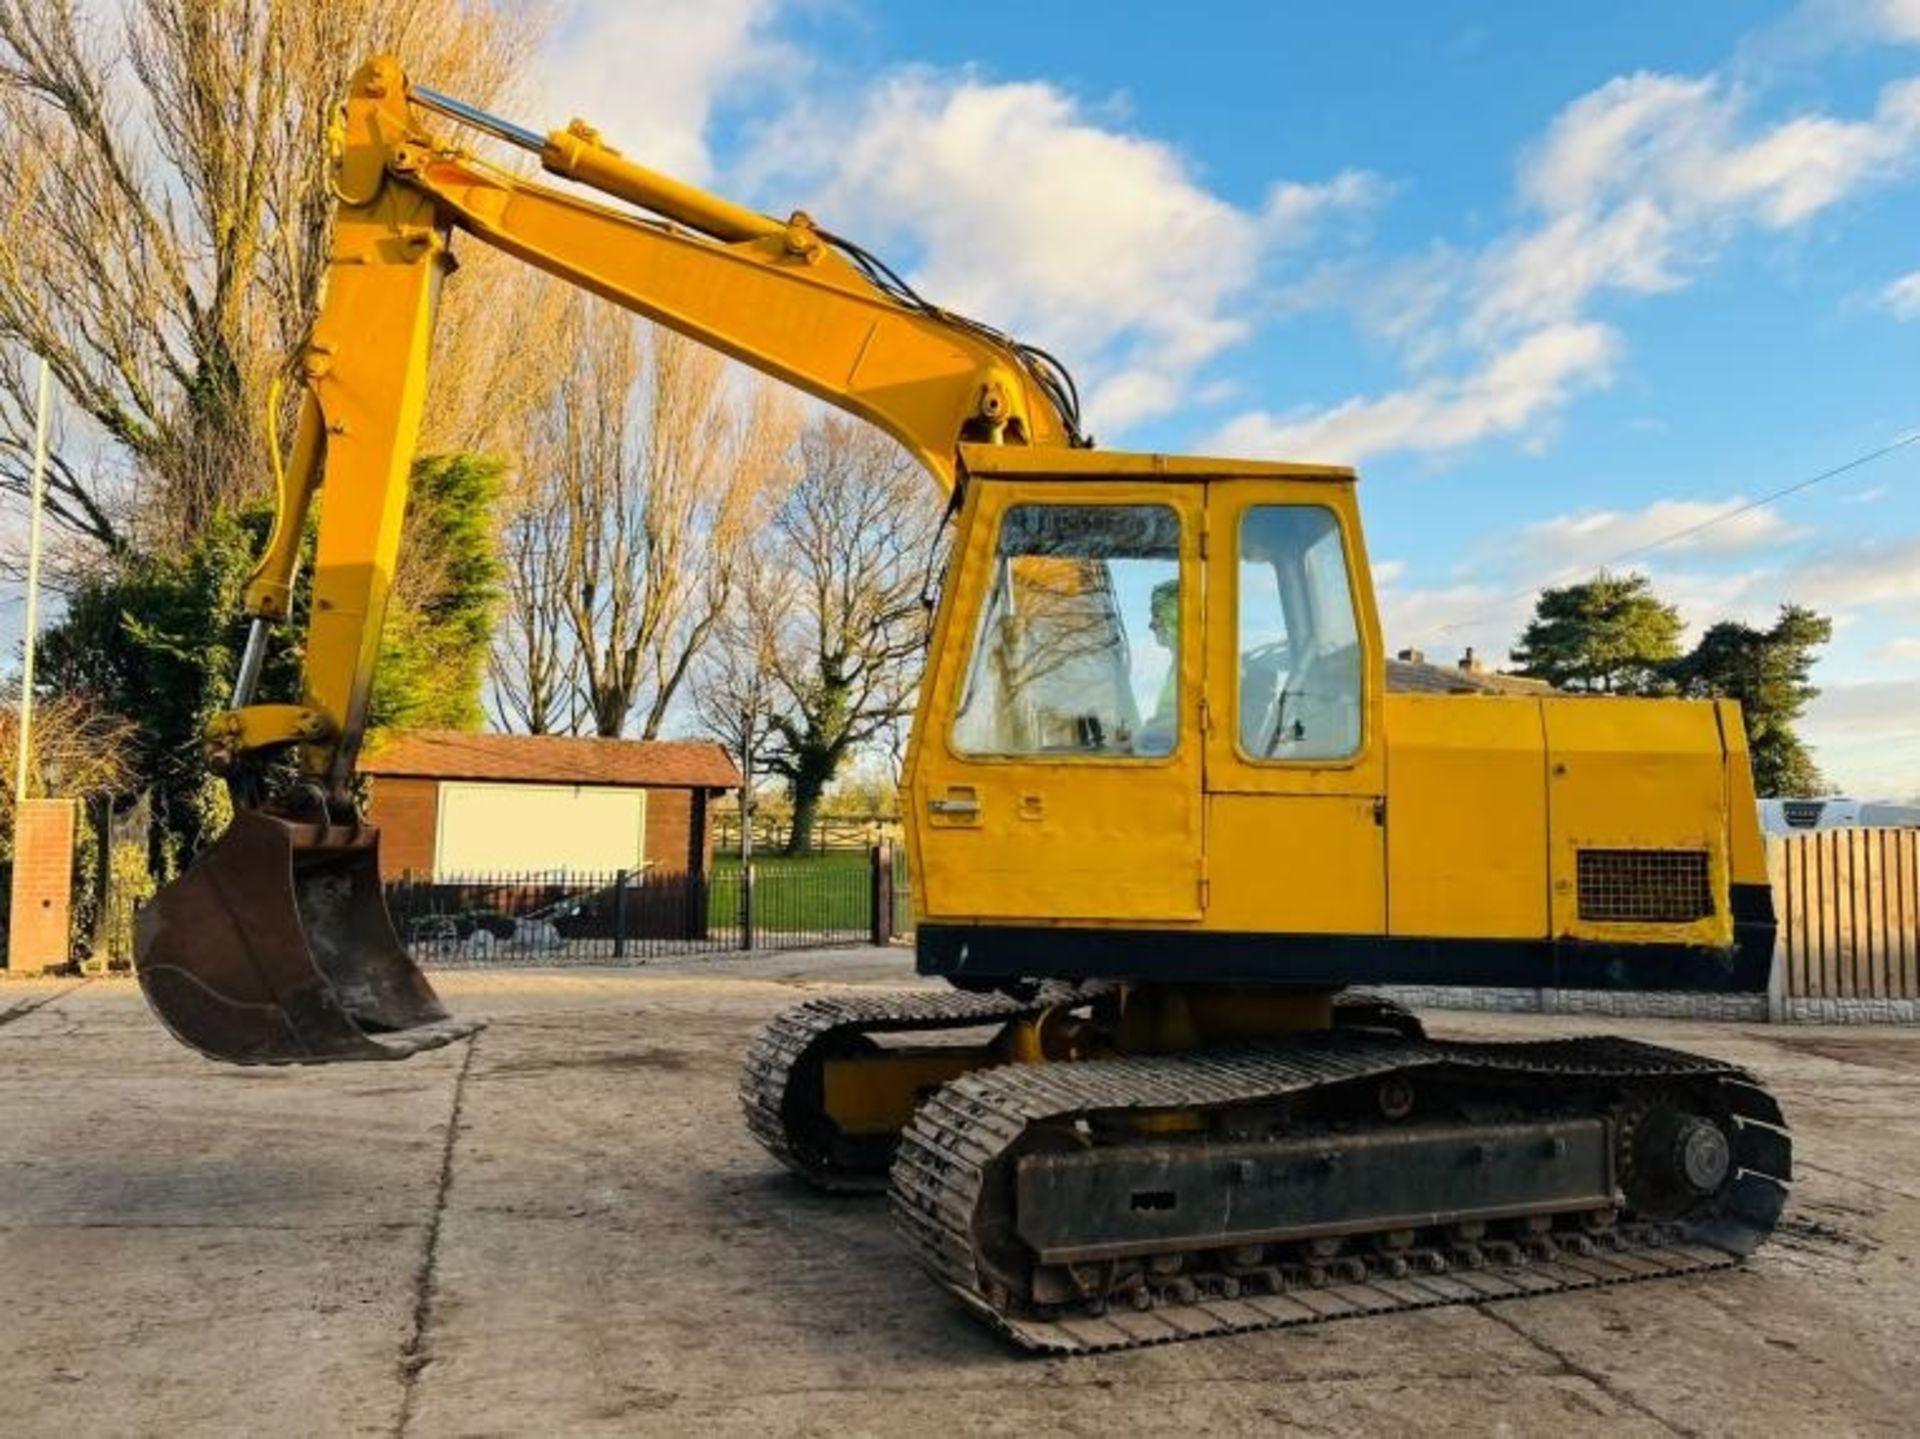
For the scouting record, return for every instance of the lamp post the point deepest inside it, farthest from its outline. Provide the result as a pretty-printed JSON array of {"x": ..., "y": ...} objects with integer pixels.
[
  {"x": 37, "y": 492},
  {"x": 746, "y": 828}
]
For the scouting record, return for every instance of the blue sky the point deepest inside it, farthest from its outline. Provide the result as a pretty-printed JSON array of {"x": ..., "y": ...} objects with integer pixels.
[{"x": 1561, "y": 280}]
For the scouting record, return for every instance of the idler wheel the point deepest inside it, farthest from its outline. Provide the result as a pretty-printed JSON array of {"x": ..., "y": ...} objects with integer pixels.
[
  {"x": 1700, "y": 1154},
  {"x": 1675, "y": 1160}
]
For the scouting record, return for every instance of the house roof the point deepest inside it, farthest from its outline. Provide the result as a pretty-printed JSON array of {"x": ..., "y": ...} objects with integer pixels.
[
  {"x": 554, "y": 759},
  {"x": 1418, "y": 677}
]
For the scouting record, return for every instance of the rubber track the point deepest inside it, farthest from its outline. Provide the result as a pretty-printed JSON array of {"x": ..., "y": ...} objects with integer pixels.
[
  {"x": 947, "y": 1151},
  {"x": 779, "y": 1048},
  {"x": 777, "y": 1051}
]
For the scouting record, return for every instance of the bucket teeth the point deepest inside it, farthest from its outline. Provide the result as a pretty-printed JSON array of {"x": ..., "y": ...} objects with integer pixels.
[{"x": 275, "y": 947}]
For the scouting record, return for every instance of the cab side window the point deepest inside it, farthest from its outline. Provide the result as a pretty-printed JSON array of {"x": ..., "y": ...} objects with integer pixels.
[
  {"x": 1077, "y": 650},
  {"x": 1300, "y": 670}
]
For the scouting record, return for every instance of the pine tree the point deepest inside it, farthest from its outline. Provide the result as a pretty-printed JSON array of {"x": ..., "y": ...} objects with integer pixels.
[
  {"x": 1769, "y": 672},
  {"x": 1610, "y": 635}
]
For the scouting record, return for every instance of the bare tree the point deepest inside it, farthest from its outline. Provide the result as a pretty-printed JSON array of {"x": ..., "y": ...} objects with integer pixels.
[
  {"x": 658, "y": 464},
  {"x": 533, "y": 681},
  {"x": 77, "y": 748},
  {"x": 858, "y": 535},
  {"x": 735, "y": 687},
  {"x": 166, "y": 228}
]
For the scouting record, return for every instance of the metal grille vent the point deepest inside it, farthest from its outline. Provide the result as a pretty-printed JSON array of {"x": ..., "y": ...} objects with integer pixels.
[
  {"x": 1644, "y": 886},
  {"x": 1803, "y": 813}
]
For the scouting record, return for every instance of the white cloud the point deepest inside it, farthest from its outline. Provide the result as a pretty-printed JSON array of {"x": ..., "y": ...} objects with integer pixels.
[
  {"x": 1897, "y": 20},
  {"x": 1871, "y": 705},
  {"x": 1877, "y": 574},
  {"x": 1815, "y": 28},
  {"x": 1441, "y": 621},
  {"x": 1902, "y": 297},
  {"x": 1902, "y": 651},
  {"x": 1706, "y": 597},
  {"x": 1128, "y": 397},
  {"x": 1548, "y": 275},
  {"x": 1637, "y": 181},
  {"x": 1632, "y": 188},
  {"x": 1513, "y": 392},
  {"x": 650, "y": 76},
  {"x": 1294, "y": 211},
  {"x": 1696, "y": 574},
  {"x": 1819, "y": 24},
  {"x": 1100, "y": 244},
  {"x": 1218, "y": 392},
  {"x": 1707, "y": 527},
  {"x": 1864, "y": 737},
  {"x": 1048, "y": 217},
  {"x": 1604, "y": 146},
  {"x": 1013, "y": 201}
]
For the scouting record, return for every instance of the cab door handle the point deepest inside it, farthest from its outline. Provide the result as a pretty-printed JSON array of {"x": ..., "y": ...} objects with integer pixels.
[{"x": 954, "y": 806}]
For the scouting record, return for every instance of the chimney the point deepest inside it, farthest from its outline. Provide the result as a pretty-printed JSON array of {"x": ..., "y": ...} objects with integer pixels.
[
  {"x": 1472, "y": 663},
  {"x": 1412, "y": 657}
]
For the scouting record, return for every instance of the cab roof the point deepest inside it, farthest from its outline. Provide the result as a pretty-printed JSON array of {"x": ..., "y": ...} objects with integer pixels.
[{"x": 1031, "y": 461}]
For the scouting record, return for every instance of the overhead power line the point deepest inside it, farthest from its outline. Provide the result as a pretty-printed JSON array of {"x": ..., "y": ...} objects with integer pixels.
[{"x": 1912, "y": 437}]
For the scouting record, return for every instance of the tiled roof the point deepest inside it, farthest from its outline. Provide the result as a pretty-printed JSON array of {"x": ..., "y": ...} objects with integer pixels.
[
  {"x": 1415, "y": 677},
  {"x": 554, "y": 759}
]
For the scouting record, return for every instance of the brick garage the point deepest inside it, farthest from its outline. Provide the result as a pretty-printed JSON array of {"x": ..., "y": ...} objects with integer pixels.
[{"x": 449, "y": 803}]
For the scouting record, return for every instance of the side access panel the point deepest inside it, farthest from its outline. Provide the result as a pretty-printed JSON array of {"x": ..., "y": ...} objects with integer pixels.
[
  {"x": 1466, "y": 817},
  {"x": 1637, "y": 800},
  {"x": 1295, "y": 864}
]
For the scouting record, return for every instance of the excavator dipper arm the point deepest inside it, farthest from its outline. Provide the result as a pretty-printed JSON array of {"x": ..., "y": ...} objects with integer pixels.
[{"x": 275, "y": 946}]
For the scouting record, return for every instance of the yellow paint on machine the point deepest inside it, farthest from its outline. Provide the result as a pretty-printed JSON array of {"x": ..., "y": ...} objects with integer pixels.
[
  {"x": 1314, "y": 862},
  {"x": 1746, "y": 845},
  {"x": 1467, "y": 818},
  {"x": 1636, "y": 774},
  {"x": 1454, "y": 816}
]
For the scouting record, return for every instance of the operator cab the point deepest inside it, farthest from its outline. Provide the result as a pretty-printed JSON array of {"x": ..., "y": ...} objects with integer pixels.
[{"x": 1128, "y": 643}]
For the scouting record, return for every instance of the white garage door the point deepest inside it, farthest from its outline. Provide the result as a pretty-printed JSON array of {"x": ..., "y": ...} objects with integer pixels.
[{"x": 489, "y": 828}]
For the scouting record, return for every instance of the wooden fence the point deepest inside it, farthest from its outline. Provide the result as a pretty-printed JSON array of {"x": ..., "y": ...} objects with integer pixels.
[
  {"x": 830, "y": 831},
  {"x": 1849, "y": 910}
]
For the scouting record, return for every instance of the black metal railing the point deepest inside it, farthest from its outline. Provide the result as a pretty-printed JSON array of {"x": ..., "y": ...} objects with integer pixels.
[{"x": 567, "y": 918}]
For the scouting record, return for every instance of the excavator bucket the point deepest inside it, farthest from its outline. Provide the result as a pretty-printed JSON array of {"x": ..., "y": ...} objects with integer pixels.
[{"x": 275, "y": 947}]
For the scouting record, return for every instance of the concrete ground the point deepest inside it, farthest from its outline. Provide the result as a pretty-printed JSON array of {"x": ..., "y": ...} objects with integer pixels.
[{"x": 563, "y": 1228}]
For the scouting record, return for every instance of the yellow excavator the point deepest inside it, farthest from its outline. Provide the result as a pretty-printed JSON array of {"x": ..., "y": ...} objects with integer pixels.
[{"x": 1162, "y": 808}]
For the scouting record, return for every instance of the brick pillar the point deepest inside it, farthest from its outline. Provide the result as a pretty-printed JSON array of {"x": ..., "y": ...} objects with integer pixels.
[{"x": 42, "y": 885}]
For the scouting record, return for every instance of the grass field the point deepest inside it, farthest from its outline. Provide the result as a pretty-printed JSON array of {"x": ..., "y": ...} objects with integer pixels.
[{"x": 809, "y": 893}]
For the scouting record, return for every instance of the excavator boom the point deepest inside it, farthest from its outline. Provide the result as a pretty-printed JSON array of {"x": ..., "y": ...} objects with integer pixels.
[{"x": 275, "y": 946}]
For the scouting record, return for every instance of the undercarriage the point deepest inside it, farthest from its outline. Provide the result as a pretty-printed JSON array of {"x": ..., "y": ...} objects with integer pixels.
[{"x": 1095, "y": 1168}]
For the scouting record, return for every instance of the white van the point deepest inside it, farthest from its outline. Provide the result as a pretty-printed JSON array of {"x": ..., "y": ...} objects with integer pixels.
[{"x": 1797, "y": 816}]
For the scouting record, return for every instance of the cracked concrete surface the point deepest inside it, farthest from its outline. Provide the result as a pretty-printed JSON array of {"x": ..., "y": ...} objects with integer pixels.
[{"x": 562, "y": 1228}]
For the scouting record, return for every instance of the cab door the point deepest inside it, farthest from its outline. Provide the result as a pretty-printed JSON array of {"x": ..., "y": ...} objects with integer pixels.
[
  {"x": 1056, "y": 771},
  {"x": 1295, "y": 755}
]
